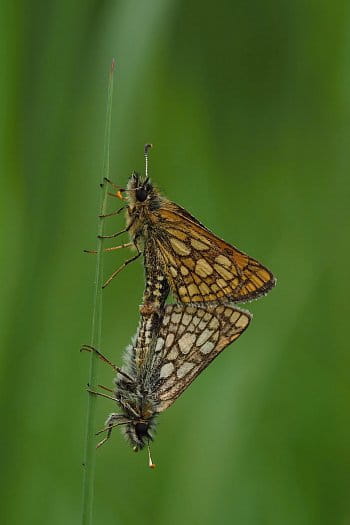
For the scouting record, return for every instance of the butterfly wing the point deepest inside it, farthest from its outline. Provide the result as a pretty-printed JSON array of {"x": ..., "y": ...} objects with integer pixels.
[
  {"x": 190, "y": 337},
  {"x": 199, "y": 266}
]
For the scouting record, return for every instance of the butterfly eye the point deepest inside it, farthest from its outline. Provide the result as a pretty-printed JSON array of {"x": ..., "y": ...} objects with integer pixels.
[
  {"x": 141, "y": 429},
  {"x": 141, "y": 194}
]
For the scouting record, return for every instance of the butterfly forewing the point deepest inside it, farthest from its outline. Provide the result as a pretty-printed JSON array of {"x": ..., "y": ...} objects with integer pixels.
[
  {"x": 190, "y": 337},
  {"x": 199, "y": 266}
]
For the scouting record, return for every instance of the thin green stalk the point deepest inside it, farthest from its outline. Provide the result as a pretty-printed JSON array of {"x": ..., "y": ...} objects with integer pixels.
[{"x": 96, "y": 324}]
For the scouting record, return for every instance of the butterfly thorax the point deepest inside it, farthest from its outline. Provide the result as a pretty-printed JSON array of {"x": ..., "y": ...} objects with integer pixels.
[{"x": 144, "y": 199}]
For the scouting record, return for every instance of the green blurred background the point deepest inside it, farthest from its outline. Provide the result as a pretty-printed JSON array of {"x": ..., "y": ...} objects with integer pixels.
[{"x": 248, "y": 105}]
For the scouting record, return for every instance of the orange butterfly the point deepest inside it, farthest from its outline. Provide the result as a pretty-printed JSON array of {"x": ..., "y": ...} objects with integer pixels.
[{"x": 199, "y": 266}]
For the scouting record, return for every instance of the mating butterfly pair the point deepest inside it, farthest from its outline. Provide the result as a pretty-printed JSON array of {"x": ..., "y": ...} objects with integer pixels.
[{"x": 175, "y": 342}]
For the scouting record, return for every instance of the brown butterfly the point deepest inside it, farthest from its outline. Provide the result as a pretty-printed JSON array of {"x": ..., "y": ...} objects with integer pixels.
[
  {"x": 199, "y": 266},
  {"x": 170, "y": 349}
]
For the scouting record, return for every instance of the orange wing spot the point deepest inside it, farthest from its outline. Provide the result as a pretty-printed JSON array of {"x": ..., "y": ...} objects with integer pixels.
[
  {"x": 196, "y": 279},
  {"x": 173, "y": 271},
  {"x": 203, "y": 268},
  {"x": 184, "y": 270},
  {"x": 264, "y": 274},
  {"x": 182, "y": 291},
  {"x": 177, "y": 233},
  {"x": 250, "y": 287},
  {"x": 255, "y": 279},
  {"x": 224, "y": 261},
  {"x": 190, "y": 263},
  {"x": 193, "y": 289},
  {"x": 179, "y": 247},
  {"x": 167, "y": 254},
  {"x": 223, "y": 272},
  {"x": 204, "y": 288},
  {"x": 198, "y": 245},
  {"x": 222, "y": 283},
  {"x": 201, "y": 238}
]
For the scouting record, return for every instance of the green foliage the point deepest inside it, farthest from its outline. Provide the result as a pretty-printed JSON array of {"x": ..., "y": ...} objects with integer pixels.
[{"x": 247, "y": 105}]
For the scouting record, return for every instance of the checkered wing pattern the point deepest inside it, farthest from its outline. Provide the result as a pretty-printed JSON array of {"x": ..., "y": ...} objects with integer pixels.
[
  {"x": 189, "y": 339},
  {"x": 201, "y": 267}
]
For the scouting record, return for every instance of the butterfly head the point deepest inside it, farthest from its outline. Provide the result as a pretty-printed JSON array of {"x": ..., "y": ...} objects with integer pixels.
[
  {"x": 141, "y": 192},
  {"x": 139, "y": 432}
]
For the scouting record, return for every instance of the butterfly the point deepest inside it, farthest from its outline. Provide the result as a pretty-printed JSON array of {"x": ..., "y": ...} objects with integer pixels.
[
  {"x": 199, "y": 266},
  {"x": 172, "y": 347}
]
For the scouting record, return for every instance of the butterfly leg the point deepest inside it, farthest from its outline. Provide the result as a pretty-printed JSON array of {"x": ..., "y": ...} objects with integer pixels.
[
  {"x": 93, "y": 392},
  {"x": 112, "y": 421},
  {"x": 114, "y": 234},
  {"x": 103, "y": 358},
  {"x": 106, "y": 388},
  {"x": 116, "y": 212},
  {"x": 111, "y": 183},
  {"x": 112, "y": 248},
  {"x": 122, "y": 268}
]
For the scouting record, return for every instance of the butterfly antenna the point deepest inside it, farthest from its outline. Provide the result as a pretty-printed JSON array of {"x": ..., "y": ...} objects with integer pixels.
[
  {"x": 150, "y": 462},
  {"x": 147, "y": 147}
]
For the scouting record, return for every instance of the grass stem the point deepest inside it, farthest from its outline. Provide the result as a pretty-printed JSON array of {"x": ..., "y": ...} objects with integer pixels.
[{"x": 96, "y": 324}]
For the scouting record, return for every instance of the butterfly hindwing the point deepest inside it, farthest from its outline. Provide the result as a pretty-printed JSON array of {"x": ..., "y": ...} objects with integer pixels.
[{"x": 189, "y": 339}]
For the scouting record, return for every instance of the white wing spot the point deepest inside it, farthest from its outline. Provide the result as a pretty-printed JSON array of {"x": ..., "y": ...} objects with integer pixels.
[
  {"x": 186, "y": 342},
  {"x": 234, "y": 317},
  {"x": 175, "y": 318},
  {"x": 186, "y": 319},
  {"x": 184, "y": 369},
  {"x": 166, "y": 370},
  {"x": 169, "y": 340},
  {"x": 166, "y": 320},
  {"x": 172, "y": 354},
  {"x": 207, "y": 347},
  {"x": 204, "y": 337},
  {"x": 242, "y": 322},
  {"x": 214, "y": 323},
  {"x": 202, "y": 325},
  {"x": 159, "y": 345}
]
